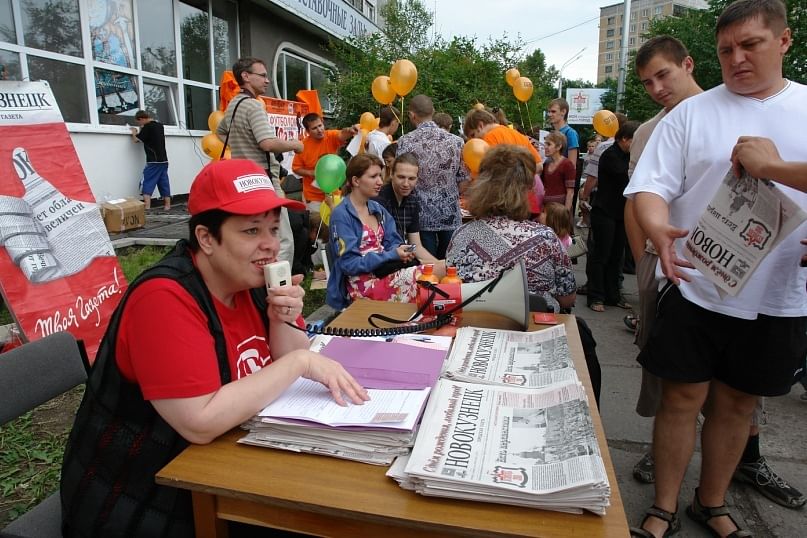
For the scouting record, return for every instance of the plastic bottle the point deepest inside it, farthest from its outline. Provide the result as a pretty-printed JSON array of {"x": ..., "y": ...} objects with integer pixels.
[
  {"x": 451, "y": 276},
  {"x": 428, "y": 274}
]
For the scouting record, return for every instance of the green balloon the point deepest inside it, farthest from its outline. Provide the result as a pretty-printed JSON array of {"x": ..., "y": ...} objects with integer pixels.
[{"x": 330, "y": 173}]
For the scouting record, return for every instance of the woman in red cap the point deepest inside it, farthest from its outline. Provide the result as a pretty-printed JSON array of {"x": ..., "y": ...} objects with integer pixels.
[{"x": 187, "y": 357}]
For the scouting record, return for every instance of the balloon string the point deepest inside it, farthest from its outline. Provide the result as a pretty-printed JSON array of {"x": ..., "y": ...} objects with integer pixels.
[
  {"x": 529, "y": 119},
  {"x": 520, "y": 115},
  {"x": 403, "y": 132}
]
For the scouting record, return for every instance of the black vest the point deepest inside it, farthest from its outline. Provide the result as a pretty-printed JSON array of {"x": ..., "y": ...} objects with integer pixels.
[{"x": 119, "y": 442}]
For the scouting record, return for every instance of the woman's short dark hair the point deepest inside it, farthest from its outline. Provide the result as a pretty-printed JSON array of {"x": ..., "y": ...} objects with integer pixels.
[
  {"x": 506, "y": 175},
  {"x": 557, "y": 138},
  {"x": 212, "y": 220},
  {"x": 390, "y": 150},
  {"x": 357, "y": 166}
]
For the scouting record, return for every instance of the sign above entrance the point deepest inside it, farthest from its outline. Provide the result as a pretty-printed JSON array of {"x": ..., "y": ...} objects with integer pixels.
[{"x": 336, "y": 17}]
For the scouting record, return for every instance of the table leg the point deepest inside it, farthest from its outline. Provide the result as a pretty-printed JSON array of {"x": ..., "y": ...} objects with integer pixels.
[{"x": 204, "y": 517}]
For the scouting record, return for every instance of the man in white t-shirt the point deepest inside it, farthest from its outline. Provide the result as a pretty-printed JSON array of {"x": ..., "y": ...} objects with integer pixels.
[
  {"x": 378, "y": 139},
  {"x": 734, "y": 349}
]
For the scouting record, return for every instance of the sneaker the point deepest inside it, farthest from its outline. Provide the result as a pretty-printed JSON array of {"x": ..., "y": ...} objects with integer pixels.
[
  {"x": 760, "y": 476},
  {"x": 581, "y": 224},
  {"x": 582, "y": 290},
  {"x": 645, "y": 469}
]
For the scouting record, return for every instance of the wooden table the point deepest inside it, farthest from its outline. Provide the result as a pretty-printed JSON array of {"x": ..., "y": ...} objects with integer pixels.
[{"x": 327, "y": 496}]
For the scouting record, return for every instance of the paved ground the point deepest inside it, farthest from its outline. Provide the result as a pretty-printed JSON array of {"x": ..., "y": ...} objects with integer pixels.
[{"x": 784, "y": 438}]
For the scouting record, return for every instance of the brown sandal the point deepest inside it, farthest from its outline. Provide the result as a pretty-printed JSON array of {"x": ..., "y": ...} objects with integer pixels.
[
  {"x": 673, "y": 523},
  {"x": 703, "y": 514}
]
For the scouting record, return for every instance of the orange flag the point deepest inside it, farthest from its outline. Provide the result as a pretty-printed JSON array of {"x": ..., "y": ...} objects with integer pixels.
[
  {"x": 311, "y": 98},
  {"x": 228, "y": 88}
]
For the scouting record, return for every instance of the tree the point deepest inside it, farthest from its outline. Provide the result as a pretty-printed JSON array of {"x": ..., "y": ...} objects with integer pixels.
[
  {"x": 696, "y": 30},
  {"x": 455, "y": 73}
]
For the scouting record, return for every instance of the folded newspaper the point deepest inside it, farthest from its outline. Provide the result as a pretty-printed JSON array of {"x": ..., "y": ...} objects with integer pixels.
[
  {"x": 745, "y": 221},
  {"x": 509, "y": 445},
  {"x": 528, "y": 359}
]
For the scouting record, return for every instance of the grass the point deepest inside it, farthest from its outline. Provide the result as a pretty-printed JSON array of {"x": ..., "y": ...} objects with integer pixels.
[{"x": 31, "y": 446}]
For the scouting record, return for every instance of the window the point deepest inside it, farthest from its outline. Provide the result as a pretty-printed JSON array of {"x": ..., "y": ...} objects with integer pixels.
[
  {"x": 10, "y": 66},
  {"x": 609, "y": 68},
  {"x": 609, "y": 32},
  {"x": 52, "y": 25},
  {"x": 644, "y": 27},
  {"x": 299, "y": 70},
  {"x": 609, "y": 56},
  {"x": 609, "y": 44},
  {"x": 632, "y": 41},
  {"x": 132, "y": 58},
  {"x": 632, "y": 28},
  {"x": 158, "y": 53},
  {"x": 611, "y": 21},
  {"x": 657, "y": 10},
  {"x": 7, "y": 31},
  {"x": 116, "y": 97},
  {"x": 679, "y": 11},
  {"x": 370, "y": 9},
  {"x": 68, "y": 84},
  {"x": 633, "y": 15},
  {"x": 646, "y": 13}
]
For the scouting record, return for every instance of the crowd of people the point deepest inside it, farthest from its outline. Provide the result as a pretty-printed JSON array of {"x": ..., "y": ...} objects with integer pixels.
[{"x": 413, "y": 202}]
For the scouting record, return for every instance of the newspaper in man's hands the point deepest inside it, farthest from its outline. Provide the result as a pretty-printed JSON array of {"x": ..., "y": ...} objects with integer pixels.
[{"x": 744, "y": 222}]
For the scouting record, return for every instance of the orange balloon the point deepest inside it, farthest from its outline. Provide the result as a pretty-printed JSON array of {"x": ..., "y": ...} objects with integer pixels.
[
  {"x": 367, "y": 121},
  {"x": 212, "y": 146},
  {"x": 472, "y": 153},
  {"x": 403, "y": 77},
  {"x": 605, "y": 123},
  {"x": 511, "y": 75},
  {"x": 522, "y": 89},
  {"x": 382, "y": 90},
  {"x": 214, "y": 119}
]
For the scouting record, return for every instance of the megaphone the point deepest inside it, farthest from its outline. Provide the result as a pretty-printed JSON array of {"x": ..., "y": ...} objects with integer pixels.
[{"x": 506, "y": 295}]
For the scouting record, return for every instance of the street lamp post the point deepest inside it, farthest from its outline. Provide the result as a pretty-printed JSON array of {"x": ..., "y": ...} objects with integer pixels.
[{"x": 577, "y": 55}]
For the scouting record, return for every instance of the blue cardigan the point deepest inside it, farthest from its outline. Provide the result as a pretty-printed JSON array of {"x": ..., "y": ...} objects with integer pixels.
[{"x": 346, "y": 231}]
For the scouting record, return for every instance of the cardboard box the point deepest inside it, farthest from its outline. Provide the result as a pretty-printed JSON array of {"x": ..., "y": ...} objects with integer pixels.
[{"x": 123, "y": 214}]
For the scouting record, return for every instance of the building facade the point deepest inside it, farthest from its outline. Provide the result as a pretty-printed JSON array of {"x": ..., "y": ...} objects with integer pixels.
[
  {"x": 105, "y": 59},
  {"x": 641, "y": 13}
]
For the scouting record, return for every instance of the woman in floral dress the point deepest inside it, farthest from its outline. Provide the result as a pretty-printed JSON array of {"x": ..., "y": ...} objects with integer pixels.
[
  {"x": 364, "y": 240},
  {"x": 502, "y": 233}
]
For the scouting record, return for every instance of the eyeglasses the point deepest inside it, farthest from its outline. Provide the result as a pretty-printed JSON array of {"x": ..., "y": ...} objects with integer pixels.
[{"x": 262, "y": 75}]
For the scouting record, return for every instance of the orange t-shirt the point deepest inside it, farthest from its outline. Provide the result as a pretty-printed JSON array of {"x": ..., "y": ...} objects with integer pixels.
[
  {"x": 505, "y": 135},
  {"x": 312, "y": 150}
]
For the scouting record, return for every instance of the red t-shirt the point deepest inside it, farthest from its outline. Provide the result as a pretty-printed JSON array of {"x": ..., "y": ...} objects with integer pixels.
[
  {"x": 557, "y": 181},
  {"x": 164, "y": 344},
  {"x": 312, "y": 150}
]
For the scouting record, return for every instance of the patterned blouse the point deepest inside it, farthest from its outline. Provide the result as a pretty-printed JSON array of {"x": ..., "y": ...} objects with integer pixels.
[
  {"x": 481, "y": 249},
  {"x": 440, "y": 169}
]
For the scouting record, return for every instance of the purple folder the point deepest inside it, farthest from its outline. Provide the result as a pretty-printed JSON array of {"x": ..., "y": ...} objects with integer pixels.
[{"x": 386, "y": 365}]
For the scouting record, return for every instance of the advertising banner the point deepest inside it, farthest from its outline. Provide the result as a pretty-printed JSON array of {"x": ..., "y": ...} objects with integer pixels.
[
  {"x": 58, "y": 270},
  {"x": 583, "y": 103}
]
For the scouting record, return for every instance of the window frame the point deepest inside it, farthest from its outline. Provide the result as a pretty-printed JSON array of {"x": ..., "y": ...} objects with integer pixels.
[
  {"x": 176, "y": 83},
  {"x": 299, "y": 53}
]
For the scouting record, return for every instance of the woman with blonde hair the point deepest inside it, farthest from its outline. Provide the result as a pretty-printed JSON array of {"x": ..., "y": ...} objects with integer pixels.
[{"x": 502, "y": 233}]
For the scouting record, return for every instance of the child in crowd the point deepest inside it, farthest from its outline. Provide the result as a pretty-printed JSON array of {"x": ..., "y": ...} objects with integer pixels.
[
  {"x": 557, "y": 217},
  {"x": 388, "y": 155}
]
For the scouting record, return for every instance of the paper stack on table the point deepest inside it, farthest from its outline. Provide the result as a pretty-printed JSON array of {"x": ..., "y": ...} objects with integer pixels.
[
  {"x": 305, "y": 418},
  {"x": 497, "y": 442}
]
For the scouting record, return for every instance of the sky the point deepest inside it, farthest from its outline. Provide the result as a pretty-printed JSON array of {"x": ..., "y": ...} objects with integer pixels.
[{"x": 534, "y": 21}]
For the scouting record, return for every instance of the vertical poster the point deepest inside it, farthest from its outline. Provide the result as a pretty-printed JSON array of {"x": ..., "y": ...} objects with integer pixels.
[{"x": 58, "y": 269}]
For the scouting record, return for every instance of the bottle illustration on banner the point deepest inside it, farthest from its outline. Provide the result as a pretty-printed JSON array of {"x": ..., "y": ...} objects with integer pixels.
[{"x": 47, "y": 234}]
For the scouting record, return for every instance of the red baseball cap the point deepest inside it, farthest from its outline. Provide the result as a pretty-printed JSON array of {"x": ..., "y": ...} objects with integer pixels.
[{"x": 237, "y": 186}]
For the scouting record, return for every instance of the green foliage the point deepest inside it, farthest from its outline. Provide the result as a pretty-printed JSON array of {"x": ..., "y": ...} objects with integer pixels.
[
  {"x": 455, "y": 73},
  {"x": 696, "y": 30}
]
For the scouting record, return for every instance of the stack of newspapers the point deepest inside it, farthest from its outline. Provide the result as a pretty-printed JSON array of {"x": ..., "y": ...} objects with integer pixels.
[
  {"x": 399, "y": 379},
  {"x": 509, "y": 423}
]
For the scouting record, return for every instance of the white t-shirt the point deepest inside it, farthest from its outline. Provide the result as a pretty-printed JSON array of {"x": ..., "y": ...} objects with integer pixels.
[
  {"x": 684, "y": 162},
  {"x": 376, "y": 143}
]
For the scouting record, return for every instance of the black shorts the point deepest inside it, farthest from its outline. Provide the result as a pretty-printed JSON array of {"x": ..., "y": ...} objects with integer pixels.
[{"x": 690, "y": 344}]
